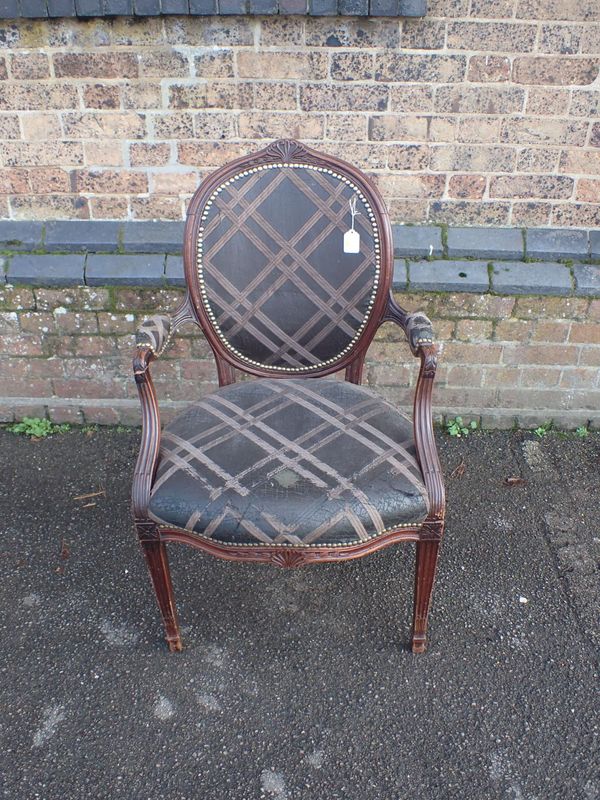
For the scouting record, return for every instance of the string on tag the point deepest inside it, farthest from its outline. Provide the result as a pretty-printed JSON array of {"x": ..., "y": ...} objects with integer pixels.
[
  {"x": 353, "y": 211},
  {"x": 352, "y": 236}
]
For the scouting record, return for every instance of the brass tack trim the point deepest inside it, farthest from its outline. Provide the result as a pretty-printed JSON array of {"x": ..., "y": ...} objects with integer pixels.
[
  {"x": 400, "y": 525},
  {"x": 204, "y": 295}
]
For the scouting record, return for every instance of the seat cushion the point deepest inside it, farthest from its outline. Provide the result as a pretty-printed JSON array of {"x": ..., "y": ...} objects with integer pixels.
[{"x": 306, "y": 462}]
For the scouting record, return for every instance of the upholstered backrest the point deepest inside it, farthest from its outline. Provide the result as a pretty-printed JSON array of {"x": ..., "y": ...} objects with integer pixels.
[{"x": 270, "y": 275}]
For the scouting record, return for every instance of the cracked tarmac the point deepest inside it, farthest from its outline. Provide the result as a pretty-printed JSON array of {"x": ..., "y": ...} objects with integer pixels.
[{"x": 299, "y": 685}]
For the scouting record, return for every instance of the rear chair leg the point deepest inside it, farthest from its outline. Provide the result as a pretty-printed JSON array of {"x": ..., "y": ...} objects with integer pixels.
[
  {"x": 155, "y": 552},
  {"x": 426, "y": 562}
]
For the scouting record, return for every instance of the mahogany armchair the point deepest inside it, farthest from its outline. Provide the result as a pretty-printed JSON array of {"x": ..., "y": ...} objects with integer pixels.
[{"x": 289, "y": 468}]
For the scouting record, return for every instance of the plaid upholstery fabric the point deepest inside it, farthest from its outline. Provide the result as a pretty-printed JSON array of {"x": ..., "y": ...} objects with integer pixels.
[
  {"x": 154, "y": 332},
  {"x": 296, "y": 462},
  {"x": 276, "y": 283}
]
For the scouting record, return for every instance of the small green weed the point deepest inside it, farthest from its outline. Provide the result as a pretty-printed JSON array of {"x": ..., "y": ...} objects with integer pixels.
[
  {"x": 37, "y": 428},
  {"x": 542, "y": 430},
  {"x": 456, "y": 427},
  {"x": 582, "y": 431}
]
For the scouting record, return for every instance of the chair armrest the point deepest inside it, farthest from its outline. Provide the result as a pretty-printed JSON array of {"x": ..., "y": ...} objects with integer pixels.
[
  {"x": 419, "y": 331},
  {"x": 155, "y": 333},
  {"x": 417, "y": 326}
]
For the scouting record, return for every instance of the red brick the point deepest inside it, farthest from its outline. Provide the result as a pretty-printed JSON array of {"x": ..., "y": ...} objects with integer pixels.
[
  {"x": 143, "y": 154},
  {"x": 113, "y": 181},
  {"x": 109, "y": 207},
  {"x": 13, "y": 387},
  {"x": 102, "y": 96},
  {"x": 419, "y": 68},
  {"x": 108, "y": 125},
  {"x": 488, "y": 69},
  {"x": 585, "y": 333},
  {"x": 29, "y": 66},
  {"x": 471, "y": 187},
  {"x": 46, "y": 180},
  {"x": 541, "y": 354},
  {"x": 29, "y": 345},
  {"x": 93, "y": 388},
  {"x": 96, "y": 65},
  {"x": 14, "y": 181},
  {"x": 65, "y": 414},
  {"x": 491, "y": 36},
  {"x": 81, "y": 298},
  {"x": 547, "y": 186},
  {"x": 50, "y": 207},
  {"x": 588, "y": 190},
  {"x": 156, "y": 207},
  {"x": 558, "y": 71}
]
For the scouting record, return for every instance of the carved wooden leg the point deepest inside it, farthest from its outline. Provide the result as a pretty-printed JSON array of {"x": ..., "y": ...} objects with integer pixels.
[
  {"x": 426, "y": 562},
  {"x": 155, "y": 552}
]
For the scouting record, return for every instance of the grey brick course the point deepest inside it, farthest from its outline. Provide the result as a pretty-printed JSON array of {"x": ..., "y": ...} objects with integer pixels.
[
  {"x": 203, "y": 7},
  {"x": 485, "y": 242},
  {"x": 83, "y": 235},
  {"x": 153, "y": 237},
  {"x": 399, "y": 279},
  {"x": 118, "y": 7},
  {"x": 89, "y": 8},
  {"x": 174, "y": 271},
  {"x": 541, "y": 278},
  {"x": 384, "y": 8},
  {"x": 233, "y": 6},
  {"x": 292, "y": 6},
  {"x": 413, "y": 8},
  {"x": 20, "y": 235},
  {"x": 359, "y": 8},
  {"x": 35, "y": 270},
  {"x": 61, "y": 8},
  {"x": 175, "y": 7},
  {"x": 130, "y": 270},
  {"x": 263, "y": 7},
  {"x": 323, "y": 8},
  {"x": 595, "y": 244},
  {"x": 552, "y": 244},
  {"x": 417, "y": 240},
  {"x": 587, "y": 279},
  {"x": 451, "y": 276},
  {"x": 33, "y": 8},
  {"x": 147, "y": 8},
  {"x": 9, "y": 9}
]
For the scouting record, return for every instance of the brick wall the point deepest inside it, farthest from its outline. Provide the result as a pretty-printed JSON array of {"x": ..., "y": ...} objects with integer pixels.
[
  {"x": 66, "y": 352},
  {"x": 486, "y": 112}
]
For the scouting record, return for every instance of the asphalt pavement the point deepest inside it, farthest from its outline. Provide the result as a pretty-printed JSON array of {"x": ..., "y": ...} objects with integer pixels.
[{"x": 299, "y": 685}]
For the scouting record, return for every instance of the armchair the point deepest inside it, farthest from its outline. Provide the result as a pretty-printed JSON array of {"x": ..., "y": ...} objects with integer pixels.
[{"x": 290, "y": 468}]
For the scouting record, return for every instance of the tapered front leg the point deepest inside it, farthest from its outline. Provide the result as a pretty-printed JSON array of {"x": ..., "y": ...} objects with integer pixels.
[
  {"x": 426, "y": 563},
  {"x": 155, "y": 553}
]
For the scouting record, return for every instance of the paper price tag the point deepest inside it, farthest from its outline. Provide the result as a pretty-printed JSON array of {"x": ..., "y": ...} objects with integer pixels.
[{"x": 352, "y": 242}]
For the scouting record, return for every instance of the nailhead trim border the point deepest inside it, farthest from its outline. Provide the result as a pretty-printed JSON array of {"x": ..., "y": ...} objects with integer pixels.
[
  {"x": 415, "y": 525},
  {"x": 206, "y": 302}
]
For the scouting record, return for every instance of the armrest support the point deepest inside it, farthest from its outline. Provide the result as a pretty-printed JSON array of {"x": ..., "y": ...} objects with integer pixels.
[
  {"x": 424, "y": 437},
  {"x": 418, "y": 331}
]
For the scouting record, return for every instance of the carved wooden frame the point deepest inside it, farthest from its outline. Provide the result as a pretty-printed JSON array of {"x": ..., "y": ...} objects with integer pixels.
[{"x": 428, "y": 535}]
